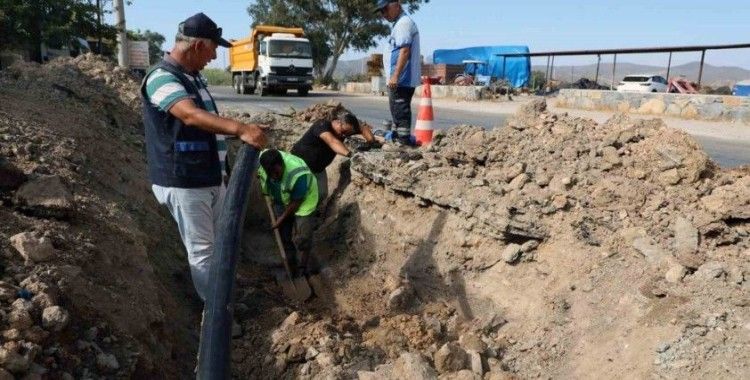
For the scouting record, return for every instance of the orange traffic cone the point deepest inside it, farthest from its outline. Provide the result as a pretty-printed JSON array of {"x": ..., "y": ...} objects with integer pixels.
[{"x": 423, "y": 130}]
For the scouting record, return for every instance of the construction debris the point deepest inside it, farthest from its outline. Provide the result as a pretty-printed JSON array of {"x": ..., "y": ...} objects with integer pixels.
[{"x": 600, "y": 221}]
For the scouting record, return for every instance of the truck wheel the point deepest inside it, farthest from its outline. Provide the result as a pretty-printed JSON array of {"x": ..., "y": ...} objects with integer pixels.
[
  {"x": 303, "y": 91},
  {"x": 243, "y": 88}
]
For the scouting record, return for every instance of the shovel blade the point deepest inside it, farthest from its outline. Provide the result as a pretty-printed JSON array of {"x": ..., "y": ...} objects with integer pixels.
[{"x": 294, "y": 290}]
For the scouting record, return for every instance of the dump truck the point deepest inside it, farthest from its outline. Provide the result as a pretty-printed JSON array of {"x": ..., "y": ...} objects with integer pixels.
[{"x": 272, "y": 60}]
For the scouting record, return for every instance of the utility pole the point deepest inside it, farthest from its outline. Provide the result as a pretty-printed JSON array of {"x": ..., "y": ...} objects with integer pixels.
[
  {"x": 99, "y": 26},
  {"x": 122, "y": 36}
]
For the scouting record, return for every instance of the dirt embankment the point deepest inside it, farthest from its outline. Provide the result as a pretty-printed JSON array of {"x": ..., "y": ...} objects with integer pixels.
[
  {"x": 92, "y": 281},
  {"x": 556, "y": 247}
]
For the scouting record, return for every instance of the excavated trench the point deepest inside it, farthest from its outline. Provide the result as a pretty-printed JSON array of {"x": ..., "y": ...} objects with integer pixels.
[{"x": 502, "y": 254}]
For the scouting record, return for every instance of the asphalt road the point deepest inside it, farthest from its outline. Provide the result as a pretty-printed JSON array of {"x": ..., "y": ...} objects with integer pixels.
[
  {"x": 373, "y": 110},
  {"x": 727, "y": 153}
]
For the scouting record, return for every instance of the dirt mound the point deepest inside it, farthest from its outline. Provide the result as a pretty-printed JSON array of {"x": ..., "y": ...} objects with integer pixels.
[
  {"x": 326, "y": 111},
  {"x": 87, "y": 275},
  {"x": 555, "y": 247}
]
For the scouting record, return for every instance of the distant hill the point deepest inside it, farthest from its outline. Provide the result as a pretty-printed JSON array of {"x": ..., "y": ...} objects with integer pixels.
[{"x": 713, "y": 76}]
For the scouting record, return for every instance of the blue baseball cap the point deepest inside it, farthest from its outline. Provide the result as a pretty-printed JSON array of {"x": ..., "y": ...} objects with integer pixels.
[
  {"x": 201, "y": 26},
  {"x": 380, "y": 4}
]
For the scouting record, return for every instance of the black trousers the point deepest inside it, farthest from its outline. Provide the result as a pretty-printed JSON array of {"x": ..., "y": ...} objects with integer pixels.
[{"x": 399, "y": 100}]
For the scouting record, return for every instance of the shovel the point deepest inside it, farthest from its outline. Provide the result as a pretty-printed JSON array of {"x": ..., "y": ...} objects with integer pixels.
[{"x": 294, "y": 288}]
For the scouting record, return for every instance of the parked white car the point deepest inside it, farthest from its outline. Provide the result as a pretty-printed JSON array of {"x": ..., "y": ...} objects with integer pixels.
[{"x": 643, "y": 83}]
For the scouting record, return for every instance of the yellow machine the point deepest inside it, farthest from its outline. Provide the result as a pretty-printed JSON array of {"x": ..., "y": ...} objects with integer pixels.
[{"x": 272, "y": 60}]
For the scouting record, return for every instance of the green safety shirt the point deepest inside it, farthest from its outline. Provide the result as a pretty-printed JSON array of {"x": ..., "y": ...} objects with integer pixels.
[{"x": 295, "y": 170}]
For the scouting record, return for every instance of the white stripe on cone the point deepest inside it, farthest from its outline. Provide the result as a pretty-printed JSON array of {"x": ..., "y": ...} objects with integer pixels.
[{"x": 423, "y": 125}]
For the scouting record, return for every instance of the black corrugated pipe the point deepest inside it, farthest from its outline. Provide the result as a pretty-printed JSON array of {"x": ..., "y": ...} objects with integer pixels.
[{"x": 216, "y": 329}]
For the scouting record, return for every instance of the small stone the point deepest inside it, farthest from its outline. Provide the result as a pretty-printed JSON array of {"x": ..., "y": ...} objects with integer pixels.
[
  {"x": 326, "y": 360},
  {"x": 685, "y": 236},
  {"x": 560, "y": 202},
  {"x": 663, "y": 347},
  {"x": 12, "y": 334},
  {"x": 514, "y": 171},
  {"x": 472, "y": 342},
  {"x": 107, "y": 362},
  {"x": 711, "y": 270},
  {"x": 31, "y": 248},
  {"x": 46, "y": 196},
  {"x": 311, "y": 353},
  {"x": 5, "y": 375},
  {"x": 476, "y": 363},
  {"x": 518, "y": 182},
  {"x": 451, "y": 358},
  {"x": 290, "y": 321},
  {"x": 670, "y": 177},
  {"x": 55, "y": 318},
  {"x": 36, "y": 335},
  {"x": 511, "y": 253},
  {"x": 20, "y": 320},
  {"x": 42, "y": 301},
  {"x": 13, "y": 361},
  {"x": 22, "y": 305},
  {"x": 653, "y": 253},
  {"x": 676, "y": 273},
  {"x": 412, "y": 366}
]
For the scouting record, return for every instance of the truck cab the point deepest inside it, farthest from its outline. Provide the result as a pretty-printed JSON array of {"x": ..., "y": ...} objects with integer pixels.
[{"x": 272, "y": 61}]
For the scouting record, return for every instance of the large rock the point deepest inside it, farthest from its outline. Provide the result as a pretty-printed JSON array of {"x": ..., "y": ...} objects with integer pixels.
[
  {"x": 412, "y": 366},
  {"x": 46, "y": 196},
  {"x": 451, "y": 358},
  {"x": 11, "y": 177},
  {"x": 55, "y": 318},
  {"x": 31, "y": 248}
]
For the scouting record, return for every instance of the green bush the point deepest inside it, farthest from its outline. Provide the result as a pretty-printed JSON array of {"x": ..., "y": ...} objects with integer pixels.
[{"x": 217, "y": 77}]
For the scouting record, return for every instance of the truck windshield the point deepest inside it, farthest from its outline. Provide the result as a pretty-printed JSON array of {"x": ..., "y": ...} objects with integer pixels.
[{"x": 289, "y": 49}]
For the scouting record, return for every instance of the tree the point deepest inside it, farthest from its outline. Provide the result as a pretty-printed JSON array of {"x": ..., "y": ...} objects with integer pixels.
[
  {"x": 28, "y": 24},
  {"x": 537, "y": 79},
  {"x": 333, "y": 26},
  {"x": 155, "y": 43}
]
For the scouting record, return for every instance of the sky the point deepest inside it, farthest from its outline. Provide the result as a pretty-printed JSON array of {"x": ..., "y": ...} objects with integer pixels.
[{"x": 542, "y": 25}]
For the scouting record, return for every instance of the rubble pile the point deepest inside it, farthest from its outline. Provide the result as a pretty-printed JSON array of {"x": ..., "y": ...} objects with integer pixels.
[
  {"x": 554, "y": 247},
  {"x": 81, "y": 237}
]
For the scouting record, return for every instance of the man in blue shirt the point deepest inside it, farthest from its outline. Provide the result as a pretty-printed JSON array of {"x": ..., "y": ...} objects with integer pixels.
[{"x": 402, "y": 66}]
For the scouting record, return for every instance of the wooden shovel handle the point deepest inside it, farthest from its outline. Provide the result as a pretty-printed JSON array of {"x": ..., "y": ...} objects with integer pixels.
[{"x": 277, "y": 235}]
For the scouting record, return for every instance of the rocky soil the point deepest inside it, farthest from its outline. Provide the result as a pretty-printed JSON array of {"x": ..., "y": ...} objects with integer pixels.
[
  {"x": 556, "y": 247},
  {"x": 91, "y": 273}
]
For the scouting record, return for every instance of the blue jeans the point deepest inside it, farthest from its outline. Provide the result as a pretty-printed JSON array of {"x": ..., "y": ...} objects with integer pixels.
[{"x": 196, "y": 212}]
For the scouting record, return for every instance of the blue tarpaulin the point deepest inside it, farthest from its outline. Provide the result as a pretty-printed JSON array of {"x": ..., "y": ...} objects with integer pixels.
[
  {"x": 742, "y": 88},
  {"x": 517, "y": 69}
]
